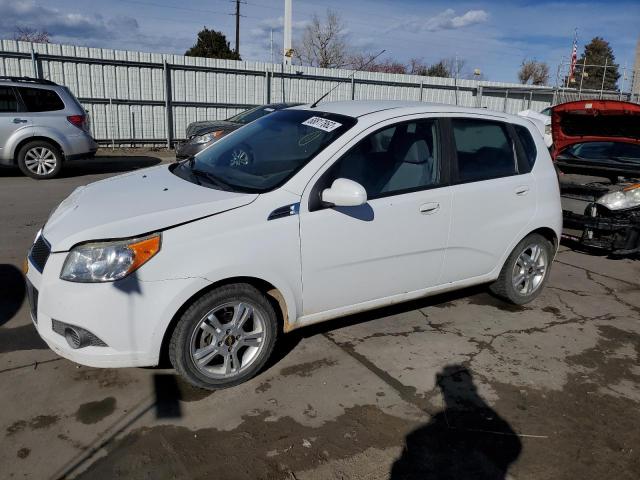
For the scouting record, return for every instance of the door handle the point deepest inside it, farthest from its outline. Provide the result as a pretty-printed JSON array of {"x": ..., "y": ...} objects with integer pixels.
[
  {"x": 20, "y": 120},
  {"x": 522, "y": 190},
  {"x": 429, "y": 208}
]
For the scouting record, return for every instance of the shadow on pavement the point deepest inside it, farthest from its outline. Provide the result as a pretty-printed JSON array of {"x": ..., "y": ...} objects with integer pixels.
[
  {"x": 96, "y": 166},
  {"x": 466, "y": 440},
  {"x": 12, "y": 292},
  {"x": 107, "y": 164}
]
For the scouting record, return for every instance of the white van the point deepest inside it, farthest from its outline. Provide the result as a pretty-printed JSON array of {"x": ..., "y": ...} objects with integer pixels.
[{"x": 307, "y": 214}]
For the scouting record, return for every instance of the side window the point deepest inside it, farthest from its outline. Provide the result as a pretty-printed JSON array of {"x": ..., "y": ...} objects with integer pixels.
[
  {"x": 484, "y": 150},
  {"x": 396, "y": 159},
  {"x": 40, "y": 100},
  {"x": 8, "y": 101},
  {"x": 528, "y": 145}
]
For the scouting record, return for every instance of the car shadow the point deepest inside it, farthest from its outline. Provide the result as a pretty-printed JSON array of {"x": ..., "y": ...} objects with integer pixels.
[
  {"x": 288, "y": 342},
  {"x": 95, "y": 166},
  {"x": 108, "y": 164},
  {"x": 467, "y": 439},
  {"x": 576, "y": 246}
]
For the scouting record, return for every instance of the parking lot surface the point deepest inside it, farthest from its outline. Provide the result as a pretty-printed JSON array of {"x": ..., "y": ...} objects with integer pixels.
[{"x": 454, "y": 386}]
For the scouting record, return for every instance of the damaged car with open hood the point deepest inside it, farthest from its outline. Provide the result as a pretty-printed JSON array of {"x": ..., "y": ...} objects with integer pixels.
[{"x": 597, "y": 153}]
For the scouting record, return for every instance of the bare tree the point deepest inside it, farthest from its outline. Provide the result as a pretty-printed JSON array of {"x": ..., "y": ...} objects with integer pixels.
[
  {"x": 324, "y": 43},
  {"x": 362, "y": 61},
  {"x": 533, "y": 72},
  {"x": 26, "y": 34}
]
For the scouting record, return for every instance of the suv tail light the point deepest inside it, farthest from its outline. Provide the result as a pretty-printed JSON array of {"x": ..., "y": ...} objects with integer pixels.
[{"x": 79, "y": 121}]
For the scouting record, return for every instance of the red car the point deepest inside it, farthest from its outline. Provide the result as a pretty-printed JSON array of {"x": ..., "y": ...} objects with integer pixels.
[{"x": 597, "y": 153}]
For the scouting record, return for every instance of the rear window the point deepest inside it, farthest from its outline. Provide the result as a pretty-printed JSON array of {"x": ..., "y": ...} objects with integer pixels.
[
  {"x": 528, "y": 145},
  {"x": 8, "y": 101},
  {"x": 40, "y": 100},
  {"x": 484, "y": 150}
]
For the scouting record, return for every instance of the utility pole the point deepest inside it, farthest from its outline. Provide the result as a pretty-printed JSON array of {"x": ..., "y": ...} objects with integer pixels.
[
  {"x": 238, "y": 27},
  {"x": 271, "y": 45},
  {"x": 288, "y": 52}
]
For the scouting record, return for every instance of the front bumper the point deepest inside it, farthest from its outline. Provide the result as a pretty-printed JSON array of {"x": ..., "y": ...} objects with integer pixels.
[
  {"x": 616, "y": 232},
  {"x": 186, "y": 149},
  {"x": 130, "y": 316}
]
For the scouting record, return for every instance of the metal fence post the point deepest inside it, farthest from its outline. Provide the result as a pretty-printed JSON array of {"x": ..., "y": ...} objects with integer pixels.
[
  {"x": 168, "y": 104},
  {"x": 353, "y": 88},
  {"x": 267, "y": 87},
  {"x": 37, "y": 64},
  {"x": 506, "y": 99},
  {"x": 479, "y": 96},
  {"x": 421, "y": 87}
]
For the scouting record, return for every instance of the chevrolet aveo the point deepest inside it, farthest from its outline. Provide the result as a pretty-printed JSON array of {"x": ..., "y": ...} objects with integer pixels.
[{"x": 307, "y": 214}]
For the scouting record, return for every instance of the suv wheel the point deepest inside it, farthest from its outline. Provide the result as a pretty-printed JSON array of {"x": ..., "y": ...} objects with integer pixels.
[
  {"x": 40, "y": 159},
  {"x": 224, "y": 338},
  {"x": 526, "y": 270}
]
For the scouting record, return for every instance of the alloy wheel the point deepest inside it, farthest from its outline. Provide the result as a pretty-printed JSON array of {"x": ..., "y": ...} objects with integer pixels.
[
  {"x": 530, "y": 269},
  {"x": 40, "y": 160},
  {"x": 227, "y": 340}
]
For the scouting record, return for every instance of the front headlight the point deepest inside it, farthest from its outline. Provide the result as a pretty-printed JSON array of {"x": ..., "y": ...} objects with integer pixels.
[
  {"x": 108, "y": 261},
  {"x": 627, "y": 198},
  {"x": 206, "y": 138}
]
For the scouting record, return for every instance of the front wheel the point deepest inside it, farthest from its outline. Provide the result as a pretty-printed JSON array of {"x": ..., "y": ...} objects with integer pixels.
[
  {"x": 225, "y": 337},
  {"x": 526, "y": 270}
]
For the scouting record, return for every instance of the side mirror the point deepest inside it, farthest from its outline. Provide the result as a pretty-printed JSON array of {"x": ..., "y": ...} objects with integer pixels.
[{"x": 345, "y": 193}]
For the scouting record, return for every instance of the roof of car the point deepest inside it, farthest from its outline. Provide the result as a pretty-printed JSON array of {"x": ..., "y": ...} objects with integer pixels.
[
  {"x": 359, "y": 108},
  {"x": 26, "y": 80}
]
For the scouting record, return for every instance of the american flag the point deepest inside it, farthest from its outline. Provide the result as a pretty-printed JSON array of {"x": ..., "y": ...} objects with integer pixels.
[{"x": 574, "y": 59}]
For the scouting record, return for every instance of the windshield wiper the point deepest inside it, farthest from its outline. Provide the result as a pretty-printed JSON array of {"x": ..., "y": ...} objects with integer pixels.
[{"x": 212, "y": 179}]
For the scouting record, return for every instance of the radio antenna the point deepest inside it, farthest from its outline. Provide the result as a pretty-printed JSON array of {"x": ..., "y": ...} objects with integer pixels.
[{"x": 315, "y": 104}]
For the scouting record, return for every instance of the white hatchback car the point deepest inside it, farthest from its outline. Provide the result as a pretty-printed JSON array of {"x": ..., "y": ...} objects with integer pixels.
[{"x": 307, "y": 214}]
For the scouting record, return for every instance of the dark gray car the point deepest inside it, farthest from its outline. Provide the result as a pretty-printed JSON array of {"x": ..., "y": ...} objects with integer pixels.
[{"x": 202, "y": 134}]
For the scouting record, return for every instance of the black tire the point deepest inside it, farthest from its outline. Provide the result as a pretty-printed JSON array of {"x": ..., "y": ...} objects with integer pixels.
[
  {"x": 188, "y": 327},
  {"x": 504, "y": 286},
  {"x": 36, "y": 146}
]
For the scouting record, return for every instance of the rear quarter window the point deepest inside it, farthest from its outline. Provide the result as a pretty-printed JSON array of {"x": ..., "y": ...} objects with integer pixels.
[
  {"x": 40, "y": 100},
  {"x": 528, "y": 145}
]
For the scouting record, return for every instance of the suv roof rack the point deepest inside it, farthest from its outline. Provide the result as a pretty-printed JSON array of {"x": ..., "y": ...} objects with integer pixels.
[{"x": 41, "y": 81}]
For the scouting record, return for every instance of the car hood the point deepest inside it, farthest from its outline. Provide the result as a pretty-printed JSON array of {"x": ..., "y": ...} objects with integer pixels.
[
  {"x": 200, "y": 128},
  {"x": 134, "y": 204},
  {"x": 594, "y": 121}
]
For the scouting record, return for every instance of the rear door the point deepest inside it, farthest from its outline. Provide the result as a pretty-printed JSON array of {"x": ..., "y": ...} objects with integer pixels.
[
  {"x": 11, "y": 119},
  {"x": 44, "y": 107},
  {"x": 494, "y": 197}
]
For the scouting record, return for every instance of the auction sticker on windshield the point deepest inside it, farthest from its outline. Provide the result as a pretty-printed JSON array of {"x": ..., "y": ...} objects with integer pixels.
[{"x": 322, "y": 124}]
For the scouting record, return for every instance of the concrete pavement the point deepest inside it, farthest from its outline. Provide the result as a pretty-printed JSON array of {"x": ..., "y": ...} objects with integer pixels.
[{"x": 454, "y": 386}]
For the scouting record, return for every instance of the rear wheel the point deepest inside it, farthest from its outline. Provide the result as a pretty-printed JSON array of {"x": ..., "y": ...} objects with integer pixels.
[
  {"x": 224, "y": 338},
  {"x": 526, "y": 270},
  {"x": 40, "y": 159}
]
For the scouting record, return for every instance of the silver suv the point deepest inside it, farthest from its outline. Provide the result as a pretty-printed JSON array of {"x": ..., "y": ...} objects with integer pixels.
[{"x": 42, "y": 125}]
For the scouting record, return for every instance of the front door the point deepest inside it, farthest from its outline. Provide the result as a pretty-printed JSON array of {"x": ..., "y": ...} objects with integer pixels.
[{"x": 393, "y": 244}]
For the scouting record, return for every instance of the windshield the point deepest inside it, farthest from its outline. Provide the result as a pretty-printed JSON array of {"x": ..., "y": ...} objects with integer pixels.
[
  {"x": 606, "y": 152},
  {"x": 252, "y": 114},
  {"x": 266, "y": 153}
]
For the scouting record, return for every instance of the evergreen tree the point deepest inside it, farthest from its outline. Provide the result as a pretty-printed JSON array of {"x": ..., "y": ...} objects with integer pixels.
[
  {"x": 212, "y": 44},
  {"x": 597, "y": 52}
]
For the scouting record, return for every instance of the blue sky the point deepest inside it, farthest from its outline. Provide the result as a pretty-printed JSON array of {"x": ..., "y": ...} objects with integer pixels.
[{"x": 493, "y": 36}]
